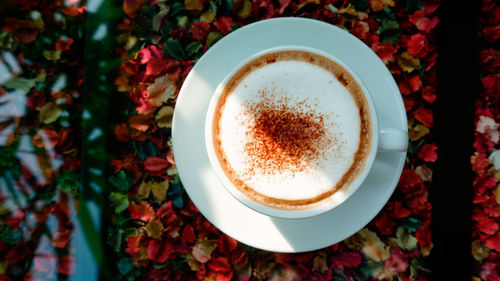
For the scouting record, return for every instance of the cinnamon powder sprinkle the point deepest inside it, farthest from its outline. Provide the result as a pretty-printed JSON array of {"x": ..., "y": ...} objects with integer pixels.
[{"x": 284, "y": 137}]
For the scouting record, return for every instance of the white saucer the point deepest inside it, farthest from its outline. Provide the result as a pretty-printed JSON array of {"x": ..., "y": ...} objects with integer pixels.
[{"x": 199, "y": 179}]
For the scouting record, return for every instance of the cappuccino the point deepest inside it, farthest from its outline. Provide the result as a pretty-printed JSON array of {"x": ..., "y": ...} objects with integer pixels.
[{"x": 291, "y": 128}]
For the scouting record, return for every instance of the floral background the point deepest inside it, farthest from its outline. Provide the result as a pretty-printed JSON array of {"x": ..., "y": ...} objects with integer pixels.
[
  {"x": 158, "y": 233},
  {"x": 486, "y": 158},
  {"x": 87, "y": 96}
]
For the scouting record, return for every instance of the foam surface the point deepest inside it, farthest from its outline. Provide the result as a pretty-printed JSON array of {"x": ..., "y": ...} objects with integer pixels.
[{"x": 320, "y": 91}]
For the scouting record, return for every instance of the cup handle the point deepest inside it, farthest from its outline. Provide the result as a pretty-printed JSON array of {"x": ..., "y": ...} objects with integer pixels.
[{"x": 391, "y": 139}]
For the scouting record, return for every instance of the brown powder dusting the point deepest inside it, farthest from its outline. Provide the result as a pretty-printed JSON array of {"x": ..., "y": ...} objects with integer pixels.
[
  {"x": 284, "y": 137},
  {"x": 285, "y": 143}
]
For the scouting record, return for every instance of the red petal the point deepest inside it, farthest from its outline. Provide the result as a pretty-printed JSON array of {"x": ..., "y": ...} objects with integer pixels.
[
  {"x": 35, "y": 100},
  {"x": 133, "y": 244},
  {"x": 159, "y": 251},
  {"x": 144, "y": 56},
  {"x": 224, "y": 276},
  {"x": 430, "y": 8},
  {"x": 426, "y": 24},
  {"x": 66, "y": 265},
  {"x": 170, "y": 157},
  {"x": 404, "y": 87},
  {"x": 491, "y": 81},
  {"x": 153, "y": 248},
  {"x": 283, "y": 258},
  {"x": 200, "y": 30},
  {"x": 488, "y": 226},
  {"x": 226, "y": 244},
  {"x": 400, "y": 211},
  {"x": 410, "y": 102},
  {"x": 64, "y": 44},
  {"x": 385, "y": 224},
  {"x": 188, "y": 234},
  {"x": 156, "y": 164},
  {"x": 415, "y": 83},
  {"x": 428, "y": 153},
  {"x": 347, "y": 259},
  {"x": 263, "y": 9},
  {"x": 224, "y": 24},
  {"x": 480, "y": 163},
  {"x": 121, "y": 132},
  {"x": 239, "y": 258},
  {"x": 424, "y": 115},
  {"x": 492, "y": 33},
  {"x": 165, "y": 251},
  {"x": 490, "y": 59},
  {"x": 417, "y": 45},
  {"x": 142, "y": 211},
  {"x": 409, "y": 178},
  {"x": 429, "y": 94},
  {"x": 423, "y": 235},
  {"x": 219, "y": 264},
  {"x": 359, "y": 30},
  {"x": 385, "y": 51},
  {"x": 303, "y": 257},
  {"x": 155, "y": 67},
  {"x": 283, "y": 5},
  {"x": 494, "y": 242}
]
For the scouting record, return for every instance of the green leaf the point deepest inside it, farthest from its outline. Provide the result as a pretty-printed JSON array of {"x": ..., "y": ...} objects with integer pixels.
[
  {"x": 68, "y": 181},
  {"x": 176, "y": 264},
  {"x": 119, "y": 201},
  {"x": 120, "y": 220},
  {"x": 374, "y": 268},
  {"x": 194, "y": 48},
  {"x": 413, "y": 5},
  {"x": 177, "y": 8},
  {"x": 8, "y": 157},
  {"x": 8, "y": 41},
  {"x": 391, "y": 36},
  {"x": 389, "y": 31},
  {"x": 385, "y": 14},
  {"x": 115, "y": 238},
  {"x": 121, "y": 181},
  {"x": 224, "y": 6},
  {"x": 360, "y": 5},
  {"x": 338, "y": 275},
  {"x": 414, "y": 147},
  {"x": 387, "y": 25},
  {"x": 175, "y": 179},
  {"x": 174, "y": 49},
  {"x": 19, "y": 83},
  {"x": 213, "y": 37},
  {"x": 411, "y": 224},
  {"x": 125, "y": 265},
  {"x": 175, "y": 194},
  {"x": 9, "y": 236},
  {"x": 145, "y": 149}
]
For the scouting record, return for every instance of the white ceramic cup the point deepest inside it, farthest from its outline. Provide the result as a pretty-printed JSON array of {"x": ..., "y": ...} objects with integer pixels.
[{"x": 383, "y": 140}]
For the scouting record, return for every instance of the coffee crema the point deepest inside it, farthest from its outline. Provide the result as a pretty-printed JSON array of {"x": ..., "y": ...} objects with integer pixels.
[{"x": 291, "y": 128}]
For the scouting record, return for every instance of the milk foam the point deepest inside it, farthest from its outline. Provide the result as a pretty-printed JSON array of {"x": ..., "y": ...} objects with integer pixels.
[{"x": 320, "y": 90}]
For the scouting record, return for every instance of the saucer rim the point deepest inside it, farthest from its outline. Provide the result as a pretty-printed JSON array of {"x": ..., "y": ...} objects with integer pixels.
[{"x": 185, "y": 173}]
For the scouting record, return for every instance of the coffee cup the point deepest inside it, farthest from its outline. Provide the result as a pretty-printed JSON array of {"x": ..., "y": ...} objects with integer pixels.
[{"x": 292, "y": 132}]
